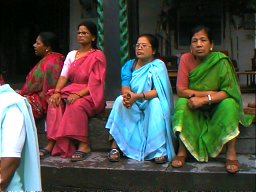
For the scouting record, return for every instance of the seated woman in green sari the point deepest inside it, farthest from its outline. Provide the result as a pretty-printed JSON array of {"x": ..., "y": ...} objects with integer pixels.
[{"x": 209, "y": 105}]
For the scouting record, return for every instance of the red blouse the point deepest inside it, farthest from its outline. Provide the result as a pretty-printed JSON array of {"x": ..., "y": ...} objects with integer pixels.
[{"x": 186, "y": 65}]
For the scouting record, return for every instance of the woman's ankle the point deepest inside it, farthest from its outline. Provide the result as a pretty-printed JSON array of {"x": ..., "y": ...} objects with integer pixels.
[
  {"x": 182, "y": 150},
  {"x": 84, "y": 147},
  {"x": 50, "y": 144},
  {"x": 114, "y": 145}
]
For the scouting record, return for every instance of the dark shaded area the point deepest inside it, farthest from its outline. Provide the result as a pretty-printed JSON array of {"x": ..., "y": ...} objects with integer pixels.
[{"x": 21, "y": 22}]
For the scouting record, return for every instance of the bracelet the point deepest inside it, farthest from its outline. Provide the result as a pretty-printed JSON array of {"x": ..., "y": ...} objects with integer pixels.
[
  {"x": 78, "y": 95},
  {"x": 144, "y": 97},
  {"x": 209, "y": 99}
]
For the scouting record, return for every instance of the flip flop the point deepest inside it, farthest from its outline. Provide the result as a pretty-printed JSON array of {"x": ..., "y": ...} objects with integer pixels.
[
  {"x": 181, "y": 159},
  {"x": 79, "y": 156},
  {"x": 234, "y": 163},
  {"x": 114, "y": 152},
  {"x": 45, "y": 152}
]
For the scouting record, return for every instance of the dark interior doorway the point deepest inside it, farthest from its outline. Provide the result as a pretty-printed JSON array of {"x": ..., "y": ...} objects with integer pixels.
[{"x": 20, "y": 23}]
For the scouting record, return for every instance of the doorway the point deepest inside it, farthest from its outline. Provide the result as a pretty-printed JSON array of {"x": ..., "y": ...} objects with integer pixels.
[{"x": 20, "y": 23}]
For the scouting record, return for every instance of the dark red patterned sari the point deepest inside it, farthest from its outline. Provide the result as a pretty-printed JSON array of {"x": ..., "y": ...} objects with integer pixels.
[{"x": 41, "y": 78}]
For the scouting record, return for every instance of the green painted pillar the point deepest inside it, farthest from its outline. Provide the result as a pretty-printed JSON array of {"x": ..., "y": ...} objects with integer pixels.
[
  {"x": 113, "y": 40},
  {"x": 124, "y": 34},
  {"x": 100, "y": 23}
]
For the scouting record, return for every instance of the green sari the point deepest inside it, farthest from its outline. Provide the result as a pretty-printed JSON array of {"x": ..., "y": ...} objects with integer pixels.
[{"x": 204, "y": 131}]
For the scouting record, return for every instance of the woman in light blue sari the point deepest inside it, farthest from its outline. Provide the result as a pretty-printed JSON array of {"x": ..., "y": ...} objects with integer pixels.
[{"x": 141, "y": 117}]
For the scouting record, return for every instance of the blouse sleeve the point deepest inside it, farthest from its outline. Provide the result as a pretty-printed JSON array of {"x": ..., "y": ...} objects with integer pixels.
[
  {"x": 69, "y": 59},
  {"x": 185, "y": 66},
  {"x": 126, "y": 73}
]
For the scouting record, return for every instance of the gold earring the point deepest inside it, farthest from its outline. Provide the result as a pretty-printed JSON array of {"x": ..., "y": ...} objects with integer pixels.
[{"x": 211, "y": 49}]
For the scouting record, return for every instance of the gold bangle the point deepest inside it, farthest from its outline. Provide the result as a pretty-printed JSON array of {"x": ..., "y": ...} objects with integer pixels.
[
  {"x": 78, "y": 95},
  {"x": 56, "y": 92}
]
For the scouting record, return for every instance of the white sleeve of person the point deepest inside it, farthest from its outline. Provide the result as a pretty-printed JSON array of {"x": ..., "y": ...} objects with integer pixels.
[{"x": 13, "y": 133}]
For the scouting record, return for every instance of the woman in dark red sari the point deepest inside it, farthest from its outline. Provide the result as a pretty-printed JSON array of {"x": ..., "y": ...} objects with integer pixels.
[
  {"x": 79, "y": 94},
  {"x": 44, "y": 74},
  {"x": 1, "y": 79}
]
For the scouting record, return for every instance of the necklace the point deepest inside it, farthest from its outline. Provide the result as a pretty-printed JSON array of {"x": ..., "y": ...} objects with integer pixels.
[{"x": 82, "y": 53}]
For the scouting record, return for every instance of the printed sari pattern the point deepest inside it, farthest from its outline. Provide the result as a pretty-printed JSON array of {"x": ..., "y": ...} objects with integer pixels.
[{"x": 41, "y": 78}]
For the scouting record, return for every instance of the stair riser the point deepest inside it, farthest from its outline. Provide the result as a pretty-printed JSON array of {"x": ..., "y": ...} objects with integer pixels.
[
  {"x": 132, "y": 180},
  {"x": 99, "y": 138}
]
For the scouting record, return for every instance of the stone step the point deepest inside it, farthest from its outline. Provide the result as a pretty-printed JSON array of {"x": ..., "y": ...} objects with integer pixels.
[
  {"x": 99, "y": 141},
  {"x": 96, "y": 173}
]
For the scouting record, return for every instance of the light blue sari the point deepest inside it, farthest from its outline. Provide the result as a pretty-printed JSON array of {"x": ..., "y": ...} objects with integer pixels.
[
  {"x": 28, "y": 176},
  {"x": 143, "y": 131}
]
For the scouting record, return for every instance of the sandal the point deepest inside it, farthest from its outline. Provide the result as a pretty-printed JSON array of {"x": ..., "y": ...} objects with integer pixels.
[
  {"x": 160, "y": 160},
  {"x": 180, "y": 159},
  {"x": 79, "y": 156},
  {"x": 235, "y": 166},
  {"x": 114, "y": 155},
  {"x": 45, "y": 153}
]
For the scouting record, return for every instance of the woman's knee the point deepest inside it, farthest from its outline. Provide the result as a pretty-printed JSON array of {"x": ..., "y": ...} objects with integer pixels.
[
  {"x": 228, "y": 104},
  {"x": 154, "y": 101}
]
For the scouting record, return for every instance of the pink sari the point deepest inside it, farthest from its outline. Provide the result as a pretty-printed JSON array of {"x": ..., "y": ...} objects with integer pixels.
[{"x": 68, "y": 122}]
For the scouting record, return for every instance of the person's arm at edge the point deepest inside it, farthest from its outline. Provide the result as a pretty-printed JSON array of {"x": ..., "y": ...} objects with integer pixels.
[
  {"x": 9, "y": 164},
  {"x": 8, "y": 167}
]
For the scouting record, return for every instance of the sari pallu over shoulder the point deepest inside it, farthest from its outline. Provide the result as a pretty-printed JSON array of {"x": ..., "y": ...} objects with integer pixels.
[
  {"x": 217, "y": 73},
  {"x": 165, "y": 94},
  {"x": 40, "y": 79},
  {"x": 44, "y": 75},
  {"x": 89, "y": 71}
]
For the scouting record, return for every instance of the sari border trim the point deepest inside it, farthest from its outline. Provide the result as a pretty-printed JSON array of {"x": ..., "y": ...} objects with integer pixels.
[
  {"x": 225, "y": 140},
  {"x": 195, "y": 154}
]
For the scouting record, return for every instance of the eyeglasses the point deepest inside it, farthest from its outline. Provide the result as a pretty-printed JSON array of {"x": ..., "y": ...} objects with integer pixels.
[
  {"x": 142, "y": 45},
  {"x": 82, "y": 33}
]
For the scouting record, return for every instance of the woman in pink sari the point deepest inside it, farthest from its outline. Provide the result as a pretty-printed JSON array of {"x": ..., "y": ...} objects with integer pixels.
[
  {"x": 78, "y": 95},
  {"x": 44, "y": 74}
]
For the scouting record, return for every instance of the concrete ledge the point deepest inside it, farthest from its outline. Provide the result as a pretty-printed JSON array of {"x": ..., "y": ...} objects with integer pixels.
[{"x": 98, "y": 174}]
